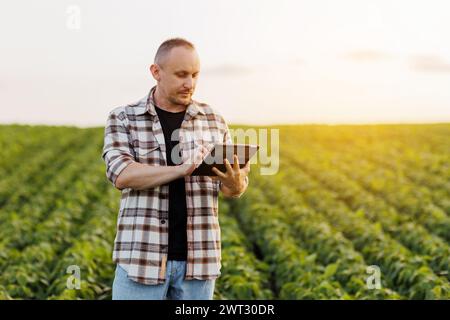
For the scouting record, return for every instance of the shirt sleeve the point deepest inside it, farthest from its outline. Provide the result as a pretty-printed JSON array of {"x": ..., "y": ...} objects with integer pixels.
[{"x": 117, "y": 149}]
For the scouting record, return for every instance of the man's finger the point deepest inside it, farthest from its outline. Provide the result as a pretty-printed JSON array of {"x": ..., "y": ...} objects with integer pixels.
[
  {"x": 200, "y": 155},
  {"x": 246, "y": 168},
  {"x": 219, "y": 173},
  {"x": 205, "y": 150},
  {"x": 198, "y": 158},
  {"x": 228, "y": 166},
  {"x": 236, "y": 163}
]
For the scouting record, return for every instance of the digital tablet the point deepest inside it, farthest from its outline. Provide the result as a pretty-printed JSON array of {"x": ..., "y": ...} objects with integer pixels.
[{"x": 216, "y": 157}]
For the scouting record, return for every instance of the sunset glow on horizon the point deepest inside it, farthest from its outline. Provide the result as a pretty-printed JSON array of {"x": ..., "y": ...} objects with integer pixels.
[{"x": 263, "y": 62}]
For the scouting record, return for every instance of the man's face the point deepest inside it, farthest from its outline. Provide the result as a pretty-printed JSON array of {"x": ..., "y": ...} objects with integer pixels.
[{"x": 178, "y": 75}]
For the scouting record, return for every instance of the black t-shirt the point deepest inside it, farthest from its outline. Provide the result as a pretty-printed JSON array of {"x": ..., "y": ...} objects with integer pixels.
[{"x": 171, "y": 121}]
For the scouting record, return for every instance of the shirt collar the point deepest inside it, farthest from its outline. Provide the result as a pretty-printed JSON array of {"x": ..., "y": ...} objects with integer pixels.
[{"x": 148, "y": 105}]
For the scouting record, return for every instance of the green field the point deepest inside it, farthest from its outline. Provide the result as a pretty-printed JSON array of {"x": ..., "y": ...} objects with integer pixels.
[{"x": 345, "y": 198}]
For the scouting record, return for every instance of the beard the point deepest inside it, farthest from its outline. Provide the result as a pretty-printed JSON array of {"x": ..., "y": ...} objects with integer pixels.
[{"x": 177, "y": 100}]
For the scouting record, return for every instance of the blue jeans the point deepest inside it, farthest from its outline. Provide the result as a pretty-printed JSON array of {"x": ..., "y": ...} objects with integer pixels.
[{"x": 174, "y": 288}]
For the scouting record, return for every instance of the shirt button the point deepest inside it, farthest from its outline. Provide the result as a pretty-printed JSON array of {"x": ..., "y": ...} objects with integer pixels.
[{"x": 163, "y": 221}]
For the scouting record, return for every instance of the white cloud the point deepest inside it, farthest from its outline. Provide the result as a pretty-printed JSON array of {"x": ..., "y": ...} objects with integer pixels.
[{"x": 429, "y": 63}]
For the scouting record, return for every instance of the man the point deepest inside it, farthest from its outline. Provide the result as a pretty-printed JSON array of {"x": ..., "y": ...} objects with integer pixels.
[{"x": 168, "y": 236}]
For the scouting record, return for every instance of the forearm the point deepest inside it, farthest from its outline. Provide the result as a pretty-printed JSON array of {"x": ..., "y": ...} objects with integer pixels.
[{"x": 140, "y": 176}]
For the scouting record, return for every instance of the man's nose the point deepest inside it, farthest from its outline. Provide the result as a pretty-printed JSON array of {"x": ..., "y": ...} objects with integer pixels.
[{"x": 189, "y": 82}]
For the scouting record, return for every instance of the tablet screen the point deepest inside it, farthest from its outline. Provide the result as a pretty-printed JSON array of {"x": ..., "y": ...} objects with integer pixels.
[{"x": 221, "y": 151}]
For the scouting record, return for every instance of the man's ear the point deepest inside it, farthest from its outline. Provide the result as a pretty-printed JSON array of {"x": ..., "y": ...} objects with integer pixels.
[{"x": 155, "y": 70}]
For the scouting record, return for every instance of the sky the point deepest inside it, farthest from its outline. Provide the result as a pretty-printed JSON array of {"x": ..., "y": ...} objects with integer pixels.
[{"x": 262, "y": 62}]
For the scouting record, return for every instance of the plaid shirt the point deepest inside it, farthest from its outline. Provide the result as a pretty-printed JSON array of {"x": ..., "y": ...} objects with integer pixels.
[{"x": 133, "y": 133}]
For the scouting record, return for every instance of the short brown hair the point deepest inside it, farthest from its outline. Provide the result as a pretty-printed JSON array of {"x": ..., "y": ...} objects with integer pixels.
[{"x": 168, "y": 45}]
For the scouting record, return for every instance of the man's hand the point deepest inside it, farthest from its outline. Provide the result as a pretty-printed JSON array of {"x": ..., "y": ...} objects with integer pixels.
[
  {"x": 192, "y": 161},
  {"x": 234, "y": 178}
]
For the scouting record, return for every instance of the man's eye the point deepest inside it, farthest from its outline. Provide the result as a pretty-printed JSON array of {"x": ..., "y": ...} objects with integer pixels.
[{"x": 183, "y": 75}]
